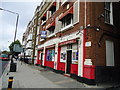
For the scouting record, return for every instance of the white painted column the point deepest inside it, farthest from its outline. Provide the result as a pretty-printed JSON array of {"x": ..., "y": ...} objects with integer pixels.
[
  {"x": 80, "y": 56},
  {"x": 43, "y": 56},
  {"x": 56, "y": 56}
]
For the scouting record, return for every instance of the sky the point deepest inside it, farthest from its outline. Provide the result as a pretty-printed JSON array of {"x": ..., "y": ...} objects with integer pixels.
[{"x": 26, "y": 11}]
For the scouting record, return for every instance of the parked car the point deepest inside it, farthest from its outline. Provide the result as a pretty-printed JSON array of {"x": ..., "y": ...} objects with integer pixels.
[{"x": 4, "y": 57}]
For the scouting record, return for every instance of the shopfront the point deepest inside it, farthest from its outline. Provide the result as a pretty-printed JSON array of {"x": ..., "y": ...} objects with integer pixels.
[
  {"x": 68, "y": 56},
  {"x": 50, "y": 56},
  {"x": 40, "y": 56}
]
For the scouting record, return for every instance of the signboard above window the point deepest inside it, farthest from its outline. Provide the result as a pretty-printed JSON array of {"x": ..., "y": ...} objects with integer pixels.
[{"x": 43, "y": 34}]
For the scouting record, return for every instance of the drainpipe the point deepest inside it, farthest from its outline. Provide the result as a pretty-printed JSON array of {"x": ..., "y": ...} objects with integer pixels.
[
  {"x": 85, "y": 15},
  {"x": 84, "y": 38},
  {"x": 34, "y": 40}
]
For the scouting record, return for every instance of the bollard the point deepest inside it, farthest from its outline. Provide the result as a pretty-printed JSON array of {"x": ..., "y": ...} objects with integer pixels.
[{"x": 10, "y": 81}]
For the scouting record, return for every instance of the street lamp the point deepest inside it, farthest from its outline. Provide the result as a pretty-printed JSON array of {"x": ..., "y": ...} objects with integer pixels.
[{"x": 16, "y": 20}]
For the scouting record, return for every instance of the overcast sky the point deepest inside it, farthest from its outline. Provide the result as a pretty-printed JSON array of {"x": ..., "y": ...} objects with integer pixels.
[{"x": 7, "y": 20}]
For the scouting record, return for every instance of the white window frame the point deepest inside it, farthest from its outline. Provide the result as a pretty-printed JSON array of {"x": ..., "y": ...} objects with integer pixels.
[
  {"x": 57, "y": 4},
  {"x": 109, "y": 13},
  {"x": 74, "y": 8},
  {"x": 50, "y": 34},
  {"x": 65, "y": 27},
  {"x": 64, "y": 1}
]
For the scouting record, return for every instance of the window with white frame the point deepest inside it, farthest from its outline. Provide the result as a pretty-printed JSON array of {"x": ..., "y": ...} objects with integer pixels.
[
  {"x": 67, "y": 20},
  {"x": 51, "y": 10},
  {"x": 57, "y": 4},
  {"x": 108, "y": 13},
  {"x": 43, "y": 19},
  {"x": 51, "y": 30}
]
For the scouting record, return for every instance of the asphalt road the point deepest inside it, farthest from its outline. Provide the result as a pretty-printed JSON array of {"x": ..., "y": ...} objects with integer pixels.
[{"x": 3, "y": 65}]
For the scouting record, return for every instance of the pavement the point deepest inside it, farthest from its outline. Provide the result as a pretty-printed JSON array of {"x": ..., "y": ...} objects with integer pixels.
[
  {"x": 4, "y": 77},
  {"x": 31, "y": 76}
]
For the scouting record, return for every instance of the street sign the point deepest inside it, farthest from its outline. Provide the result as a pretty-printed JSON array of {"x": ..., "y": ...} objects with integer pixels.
[
  {"x": 17, "y": 48},
  {"x": 43, "y": 34}
]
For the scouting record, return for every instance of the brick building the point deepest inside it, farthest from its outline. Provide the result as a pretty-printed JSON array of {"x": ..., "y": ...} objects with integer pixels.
[{"x": 80, "y": 39}]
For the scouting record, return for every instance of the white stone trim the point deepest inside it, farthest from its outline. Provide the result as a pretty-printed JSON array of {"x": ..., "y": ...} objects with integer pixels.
[
  {"x": 41, "y": 39},
  {"x": 69, "y": 37},
  {"x": 67, "y": 27},
  {"x": 51, "y": 35},
  {"x": 80, "y": 57},
  {"x": 43, "y": 22}
]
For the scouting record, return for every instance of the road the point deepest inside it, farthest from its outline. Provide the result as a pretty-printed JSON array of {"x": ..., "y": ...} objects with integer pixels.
[{"x": 3, "y": 65}]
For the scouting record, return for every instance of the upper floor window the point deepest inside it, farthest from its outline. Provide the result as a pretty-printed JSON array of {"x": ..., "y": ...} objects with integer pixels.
[
  {"x": 67, "y": 20},
  {"x": 51, "y": 30},
  {"x": 108, "y": 13},
  {"x": 51, "y": 10},
  {"x": 67, "y": 17},
  {"x": 43, "y": 19}
]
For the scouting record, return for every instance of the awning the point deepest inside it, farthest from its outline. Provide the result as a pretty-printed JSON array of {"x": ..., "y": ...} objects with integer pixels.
[
  {"x": 70, "y": 11},
  {"x": 50, "y": 25},
  {"x": 67, "y": 42}
]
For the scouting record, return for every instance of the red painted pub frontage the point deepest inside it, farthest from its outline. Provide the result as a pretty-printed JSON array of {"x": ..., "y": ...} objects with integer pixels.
[{"x": 78, "y": 41}]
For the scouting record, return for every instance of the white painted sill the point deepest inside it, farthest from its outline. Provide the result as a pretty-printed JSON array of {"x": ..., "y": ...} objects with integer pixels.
[
  {"x": 42, "y": 40},
  {"x": 64, "y": 2},
  {"x": 51, "y": 35},
  {"x": 43, "y": 23},
  {"x": 110, "y": 24},
  {"x": 67, "y": 27}
]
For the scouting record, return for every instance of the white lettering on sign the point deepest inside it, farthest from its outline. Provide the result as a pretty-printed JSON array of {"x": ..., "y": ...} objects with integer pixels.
[{"x": 88, "y": 44}]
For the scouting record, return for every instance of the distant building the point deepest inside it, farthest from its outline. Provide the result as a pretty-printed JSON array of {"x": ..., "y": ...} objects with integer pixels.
[
  {"x": 29, "y": 38},
  {"x": 28, "y": 41}
]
